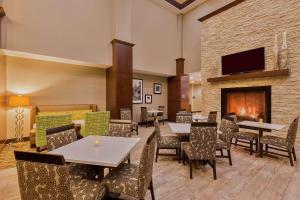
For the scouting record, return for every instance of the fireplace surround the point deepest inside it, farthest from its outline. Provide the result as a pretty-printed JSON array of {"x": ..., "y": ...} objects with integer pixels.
[{"x": 248, "y": 103}]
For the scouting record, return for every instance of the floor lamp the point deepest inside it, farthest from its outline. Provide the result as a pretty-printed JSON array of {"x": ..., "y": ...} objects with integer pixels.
[{"x": 19, "y": 101}]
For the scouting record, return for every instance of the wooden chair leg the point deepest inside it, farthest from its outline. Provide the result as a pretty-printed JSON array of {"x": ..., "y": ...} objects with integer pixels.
[
  {"x": 221, "y": 151},
  {"x": 290, "y": 157},
  {"x": 251, "y": 147},
  {"x": 267, "y": 148},
  {"x": 191, "y": 169},
  {"x": 129, "y": 160},
  {"x": 256, "y": 145},
  {"x": 294, "y": 154},
  {"x": 236, "y": 141},
  {"x": 152, "y": 190},
  {"x": 261, "y": 146},
  {"x": 137, "y": 130},
  {"x": 157, "y": 152},
  {"x": 229, "y": 157},
  {"x": 214, "y": 169},
  {"x": 178, "y": 154}
]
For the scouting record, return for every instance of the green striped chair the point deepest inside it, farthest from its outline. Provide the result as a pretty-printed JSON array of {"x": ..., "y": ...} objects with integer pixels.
[
  {"x": 96, "y": 123},
  {"x": 49, "y": 121}
]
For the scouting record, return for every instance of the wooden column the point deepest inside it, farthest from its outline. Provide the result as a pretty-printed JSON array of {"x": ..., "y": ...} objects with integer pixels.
[
  {"x": 2, "y": 14},
  {"x": 178, "y": 91},
  {"x": 119, "y": 78}
]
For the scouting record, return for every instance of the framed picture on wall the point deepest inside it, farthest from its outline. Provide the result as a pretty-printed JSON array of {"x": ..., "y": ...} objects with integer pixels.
[
  {"x": 157, "y": 88},
  {"x": 148, "y": 98},
  {"x": 137, "y": 91}
]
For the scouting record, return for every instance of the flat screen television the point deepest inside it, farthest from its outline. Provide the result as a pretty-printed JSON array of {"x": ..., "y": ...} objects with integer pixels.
[{"x": 245, "y": 61}]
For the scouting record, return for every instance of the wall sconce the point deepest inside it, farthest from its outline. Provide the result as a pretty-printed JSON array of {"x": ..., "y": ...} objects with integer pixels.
[{"x": 19, "y": 101}]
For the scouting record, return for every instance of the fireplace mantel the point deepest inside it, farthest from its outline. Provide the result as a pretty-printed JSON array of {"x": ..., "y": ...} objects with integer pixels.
[{"x": 261, "y": 74}]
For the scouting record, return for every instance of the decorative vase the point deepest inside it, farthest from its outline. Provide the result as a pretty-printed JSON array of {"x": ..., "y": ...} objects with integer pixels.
[
  {"x": 275, "y": 55},
  {"x": 284, "y": 52}
]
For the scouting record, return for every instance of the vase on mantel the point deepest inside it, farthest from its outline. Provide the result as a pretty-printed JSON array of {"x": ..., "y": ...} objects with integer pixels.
[
  {"x": 284, "y": 53},
  {"x": 275, "y": 54}
]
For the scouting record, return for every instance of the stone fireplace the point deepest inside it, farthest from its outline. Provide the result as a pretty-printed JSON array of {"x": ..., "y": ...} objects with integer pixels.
[{"x": 248, "y": 103}]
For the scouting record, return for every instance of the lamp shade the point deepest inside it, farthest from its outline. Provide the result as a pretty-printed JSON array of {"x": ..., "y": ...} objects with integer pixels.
[{"x": 18, "y": 100}]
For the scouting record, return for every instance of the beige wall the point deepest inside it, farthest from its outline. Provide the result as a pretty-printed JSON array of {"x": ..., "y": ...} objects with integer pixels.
[
  {"x": 2, "y": 97},
  {"x": 82, "y": 30},
  {"x": 157, "y": 99},
  {"x": 192, "y": 33},
  {"x": 74, "y": 29},
  {"x": 51, "y": 83},
  {"x": 154, "y": 31},
  {"x": 248, "y": 25}
]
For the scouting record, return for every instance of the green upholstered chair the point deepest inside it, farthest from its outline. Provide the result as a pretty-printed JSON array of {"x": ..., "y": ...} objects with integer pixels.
[
  {"x": 96, "y": 123},
  {"x": 45, "y": 122}
]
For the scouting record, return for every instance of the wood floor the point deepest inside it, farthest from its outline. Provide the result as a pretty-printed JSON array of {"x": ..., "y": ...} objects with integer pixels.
[{"x": 249, "y": 177}]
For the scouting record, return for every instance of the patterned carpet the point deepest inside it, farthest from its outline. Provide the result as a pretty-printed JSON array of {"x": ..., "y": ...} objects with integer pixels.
[{"x": 7, "y": 157}]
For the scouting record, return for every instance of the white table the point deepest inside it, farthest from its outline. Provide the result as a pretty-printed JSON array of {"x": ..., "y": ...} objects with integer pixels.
[
  {"x": 180, "y": 129},
  {"x": 110, "y": 152},
  {"x": 199, "y": 117},
  {"x": 261, "y": 127}
]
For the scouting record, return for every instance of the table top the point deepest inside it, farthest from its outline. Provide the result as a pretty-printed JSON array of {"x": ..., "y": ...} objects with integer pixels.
[
  {"x": 180, "y": 128},
  {"x": 155, "y": 111},
  {"x": 109, "y": 152},
  {"x": 260, "y": 125},
  {"x": 199, "y": 117}
]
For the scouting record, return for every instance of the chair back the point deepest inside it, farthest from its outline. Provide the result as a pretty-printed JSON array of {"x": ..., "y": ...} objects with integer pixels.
[
  {"x": 233, "y": 116},
  {"x": 120, "y": 129},
  {"x": 42, "y": 176},
  {"x": 60, "y": 136},
  {"x": 203, "y": 139},
  {"x": 146, "y": 166},
  {"x": 291, "y": 135},
  {"x": 49, "y": 121},
  {"x": 228, "y": 128},
  {"x": 212, "y": 117},
  {"x": 96, "y": 123},
  {"x": 161, "y": 108},
  {"x": 184, "y": 118},
  {"x": 157, "y": 129},
  {"x": 144, "y": 114},
  {"x": 125, "y": 113}
]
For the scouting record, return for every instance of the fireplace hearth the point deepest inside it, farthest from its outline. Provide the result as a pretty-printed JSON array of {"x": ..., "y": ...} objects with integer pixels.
[{"x": 248, "y": 103}]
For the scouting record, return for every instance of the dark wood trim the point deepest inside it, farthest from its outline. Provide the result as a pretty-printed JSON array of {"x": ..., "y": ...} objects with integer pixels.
[
  {"x": 180, "y": 59},
  {"x": 259, "y": 74},
  {"x": 180, "y": 6},
  {"x": 226, "y": 7},
  {"x": 13, "y": 140},
  {"x": 40, "y": 157},
  {"x": 2, "y": 12},
  {"x": 122, "y": 42}
]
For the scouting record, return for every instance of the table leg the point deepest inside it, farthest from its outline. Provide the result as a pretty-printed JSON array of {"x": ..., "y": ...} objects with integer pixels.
[
  {"x": 101, "y": 173},
  {"x": 260, "y": 146}
]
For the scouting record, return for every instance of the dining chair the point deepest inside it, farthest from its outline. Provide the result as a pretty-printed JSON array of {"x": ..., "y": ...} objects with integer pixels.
[
  {"x": 126, "y": 114},
  {"x": 120, "y": 128},
  {"x": 45, "y": 122},
  {"x": 46, "y": 177},
  {"x": 283, "y": 144},
  {"x": 184, "y": 117},
  {"x": 133, "y": 179},
  {"x": 202, "y": 145},
  {"x": 61, "y": 136},
  {"x": 96, "y": 123},
  {"x": 146, "y": 117},
  {"x": 212, "y": 116},
  {"x": 228, "y": 129},
  {"x": 160, "y": 115},
  {"x": 166, "y": 142}
]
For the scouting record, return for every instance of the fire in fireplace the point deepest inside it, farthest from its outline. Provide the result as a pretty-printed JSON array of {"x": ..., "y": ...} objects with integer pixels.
[{"x": 250, "y": 103}]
